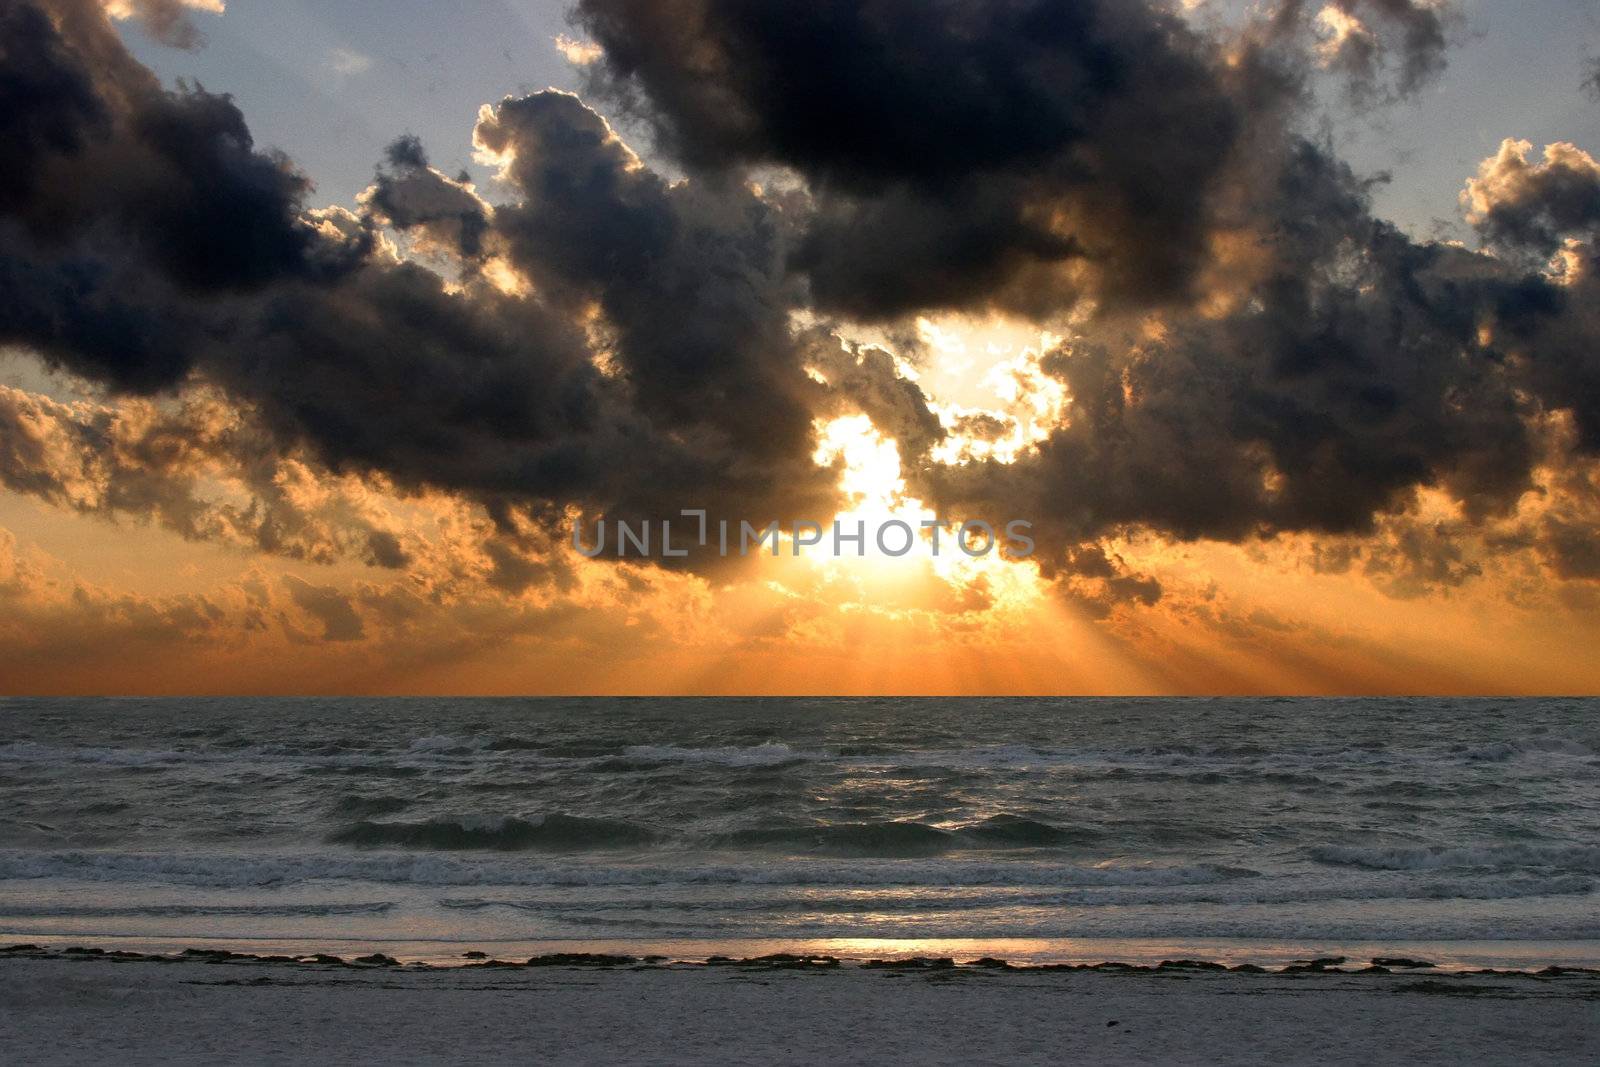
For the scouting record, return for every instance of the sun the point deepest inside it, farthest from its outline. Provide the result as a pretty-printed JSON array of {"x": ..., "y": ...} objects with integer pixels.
[
  {"x": 871, "y": 478},
  {"x": 873, "y": 483}
]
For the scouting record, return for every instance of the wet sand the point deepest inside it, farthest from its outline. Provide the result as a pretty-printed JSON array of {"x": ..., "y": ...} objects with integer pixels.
[{"x": 61, "y": 1007}]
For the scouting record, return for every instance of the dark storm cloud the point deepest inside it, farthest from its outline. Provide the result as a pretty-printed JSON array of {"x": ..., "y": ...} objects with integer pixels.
[
  {"x": 48, "y": 103},
  {"x": 96, "y": 150},
  {"x": 1349, "y": 371},
  {"x": 1018, "y": 155},
  {"x": 960, "y": 154},
  {"x": 692, "y": 285},
  {"x": 144, "y": 238},
  {"x": 1350, "y": 365},
  {"x": 390, "y": 370},
  {"x": 1249, "y": 350},
  {"x": 864, "y": 379},
  {"x": 1527, "y": 212},
  {"x": 123, "y": 206},
  {"x": 410, "y": 195},
  {"x": 1552, "y": 336}
]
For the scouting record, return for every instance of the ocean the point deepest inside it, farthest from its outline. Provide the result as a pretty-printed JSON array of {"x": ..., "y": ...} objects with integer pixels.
[{"x": 1034, "y": 829}]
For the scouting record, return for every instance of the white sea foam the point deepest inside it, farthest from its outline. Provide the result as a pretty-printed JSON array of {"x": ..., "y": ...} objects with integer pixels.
[{"x": 1585, "y": 858}]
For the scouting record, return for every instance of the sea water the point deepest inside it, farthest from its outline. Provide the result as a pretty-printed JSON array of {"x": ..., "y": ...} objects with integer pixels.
[{"x": 1038, "y": 829}]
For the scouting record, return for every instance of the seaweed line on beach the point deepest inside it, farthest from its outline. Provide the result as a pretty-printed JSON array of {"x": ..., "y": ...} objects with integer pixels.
[{"x": 1437, "y": 980}]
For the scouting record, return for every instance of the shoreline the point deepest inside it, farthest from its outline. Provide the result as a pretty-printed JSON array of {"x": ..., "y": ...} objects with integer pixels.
[
  {"x": 1271, "y": 954},
  {"x": 474, "y": 959}
]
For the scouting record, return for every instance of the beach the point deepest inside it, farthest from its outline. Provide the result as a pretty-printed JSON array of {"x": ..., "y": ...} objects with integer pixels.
[
  {"x": 66, "y": 1009},
  {"x": 1160, "y": 881}
]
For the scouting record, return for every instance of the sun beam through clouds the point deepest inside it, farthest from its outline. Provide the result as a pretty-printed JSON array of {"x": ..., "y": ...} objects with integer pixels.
[{"x": 1220, "y": 420}]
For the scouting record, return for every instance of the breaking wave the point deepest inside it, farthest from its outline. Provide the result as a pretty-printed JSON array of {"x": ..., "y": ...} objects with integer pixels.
[
  {"x": 501, "y": 833},
  {"x": 1580, "y": 858},
  {"x": 443, "y": 869},
  {"x": 904, "y": 838}
]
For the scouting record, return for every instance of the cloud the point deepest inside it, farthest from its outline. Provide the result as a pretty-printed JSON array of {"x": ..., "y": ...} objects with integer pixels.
[
  {"x": 1337, "y": 370},
  {"x": 55, "y": 627},
  {"x": 347, "y": 62},
  {"x": 956, "y": 155},
  {"x": 99, "y": 154},
  {"x": 695, "y": 301},
  {"x": 18, "y": 575},
  {"x": 578, "y": 53},
  {"x": 1099, "y": 582},
  {"x": 61, "y": 632},
  {"x": 198, "y": 468},
  {"x": 208, "y": 265},
  {"x": 1019, "y": 156},
  {"x": 865, "y": 379},
  {"x": 166, "y": 20},
  {"x": 1244, "y": 350},
  {"x": 1369, "y": 42},
  {"x": 1534, "y": 207},
  {"x": 411, "y": 196},
  {"x": 329, "y": 607}
]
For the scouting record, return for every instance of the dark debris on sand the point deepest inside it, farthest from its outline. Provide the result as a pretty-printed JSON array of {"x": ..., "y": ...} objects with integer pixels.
[
  {"x": 915, "y": 963},
  {"x": 933, "y": 966},
  {"x": 782, "y": 961}
]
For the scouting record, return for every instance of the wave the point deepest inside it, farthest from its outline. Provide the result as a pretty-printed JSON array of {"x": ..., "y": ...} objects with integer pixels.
[
  {"x": 104, "y": 807},
  {"x": 222, "y": 870},
  {"x": 364, "y": 805},
  {"x": 981, "y": 757},
  {"x": 1278, "y": 926},
  {"x": 1312, "y": 767},
  {"x": 1577, "y": 858},
  {"x": 176, "y": 911},
  {"x": 501, "y": 833},
  {"x": 770, "y": 754},
  {"x": 1019, "y": 883},
  {"x": 1018, "y": 900},
  {"x": 848, "y": 839},
  {"x": 447, "y": 745},
  {"x": 1292, "y": 890},
  {"x": 910, "y": 839},
  {"x": 1535, "y": 746},
  {"x": 514, "y": 744},
  {"x": 1016, "y": 831},
  {"x": 34, "y": 752}
]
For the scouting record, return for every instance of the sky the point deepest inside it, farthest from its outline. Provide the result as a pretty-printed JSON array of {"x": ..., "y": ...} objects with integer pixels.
[{"x": 1277, "y": 324}]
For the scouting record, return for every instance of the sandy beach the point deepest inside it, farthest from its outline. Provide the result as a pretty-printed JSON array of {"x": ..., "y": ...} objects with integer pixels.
[
  {"x": 86, "y": 1008},
  {"x": 352, "y": 881}
]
